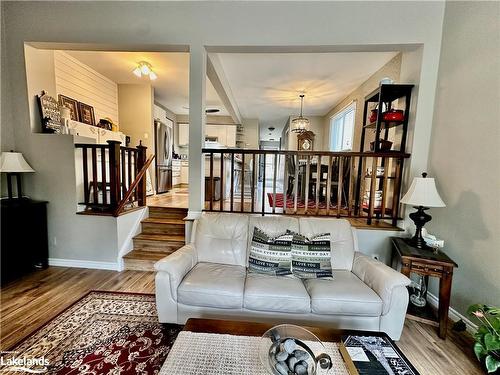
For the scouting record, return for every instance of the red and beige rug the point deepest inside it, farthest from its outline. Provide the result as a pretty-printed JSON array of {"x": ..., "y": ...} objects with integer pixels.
[{"x": 102, "y": 333}]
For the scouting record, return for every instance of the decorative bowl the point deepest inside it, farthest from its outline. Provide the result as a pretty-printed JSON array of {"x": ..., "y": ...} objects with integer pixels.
[
  {"x": 394, "y": 115},
  {"x": 383, "y": 145},
  {"x": 287, "y": 349}
]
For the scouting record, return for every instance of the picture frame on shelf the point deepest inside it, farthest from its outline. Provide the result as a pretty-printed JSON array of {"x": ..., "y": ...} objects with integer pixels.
[
  {"x": 72, "y": 104},
  {"x": 86, "y": 113}
]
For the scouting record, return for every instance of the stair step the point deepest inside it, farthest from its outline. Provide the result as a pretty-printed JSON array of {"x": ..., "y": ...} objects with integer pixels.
[
  {"x": 167, "y": 212},
  {"x": 158, "y": 242},
  {"x": 140, "y": 260},
  {"x": 163, "y": 226}
]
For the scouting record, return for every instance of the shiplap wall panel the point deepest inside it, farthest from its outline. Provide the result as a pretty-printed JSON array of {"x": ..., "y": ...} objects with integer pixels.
[{"x": 82, "y": 83}]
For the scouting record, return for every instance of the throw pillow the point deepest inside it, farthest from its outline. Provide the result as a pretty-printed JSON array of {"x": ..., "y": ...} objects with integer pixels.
[
  {"x": 311, "y": 256},
  {"x": 270, "y": 255}
]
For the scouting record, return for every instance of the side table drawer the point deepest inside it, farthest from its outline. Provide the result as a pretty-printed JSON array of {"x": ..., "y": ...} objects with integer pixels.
[{"x": 427, "y": 269}]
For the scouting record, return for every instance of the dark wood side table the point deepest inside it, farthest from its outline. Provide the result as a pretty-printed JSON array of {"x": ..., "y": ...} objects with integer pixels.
[
  {"x": 24, "y": 243},
  {"x": 426, "y": 263}
]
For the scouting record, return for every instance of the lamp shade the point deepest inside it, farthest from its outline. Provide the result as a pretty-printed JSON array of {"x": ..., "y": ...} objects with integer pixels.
[
  {"x": 13, "y": 162},
  {"x": 423, "y": 192}
]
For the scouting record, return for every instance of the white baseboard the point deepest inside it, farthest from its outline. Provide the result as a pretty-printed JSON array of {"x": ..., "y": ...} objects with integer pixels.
[
  {"x": 75, "y": 263},
  {"x": 453, "y": 314}
]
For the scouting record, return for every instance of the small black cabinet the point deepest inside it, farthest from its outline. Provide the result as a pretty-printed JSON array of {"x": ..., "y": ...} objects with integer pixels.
[{"x": 24, "y": 237}]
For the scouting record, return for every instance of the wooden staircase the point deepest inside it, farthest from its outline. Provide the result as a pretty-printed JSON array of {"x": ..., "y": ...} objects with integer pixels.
[{"x": 162, "y": 234}]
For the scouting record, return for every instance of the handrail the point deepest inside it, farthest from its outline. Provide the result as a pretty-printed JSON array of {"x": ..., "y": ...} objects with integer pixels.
[
  {"x": 388, "y": 154},
  {"x": 133, "y": 186}
]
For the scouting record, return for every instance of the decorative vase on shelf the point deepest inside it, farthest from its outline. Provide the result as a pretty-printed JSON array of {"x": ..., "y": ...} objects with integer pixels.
[{"x": 417, "y": 298}]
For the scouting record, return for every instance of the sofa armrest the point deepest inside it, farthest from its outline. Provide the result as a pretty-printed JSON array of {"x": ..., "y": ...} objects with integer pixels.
[
  {"x": 177, "y": 265},
  {"x": 379, "y": 277}
]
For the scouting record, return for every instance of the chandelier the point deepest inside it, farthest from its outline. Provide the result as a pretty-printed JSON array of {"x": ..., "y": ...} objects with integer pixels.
[{"x": 300, "y": 124}]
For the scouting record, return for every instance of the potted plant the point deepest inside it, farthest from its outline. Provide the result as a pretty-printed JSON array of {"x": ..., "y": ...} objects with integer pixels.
[{"x": 487, "y": 345}]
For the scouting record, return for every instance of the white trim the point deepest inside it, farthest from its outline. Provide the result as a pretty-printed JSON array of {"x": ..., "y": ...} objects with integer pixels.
[
  {"x": 75, "y": 263},
  {"x": 453, "y": 314}
]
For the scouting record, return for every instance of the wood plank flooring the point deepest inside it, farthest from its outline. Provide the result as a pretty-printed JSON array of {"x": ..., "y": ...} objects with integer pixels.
[{"x": 32, "y": 301}]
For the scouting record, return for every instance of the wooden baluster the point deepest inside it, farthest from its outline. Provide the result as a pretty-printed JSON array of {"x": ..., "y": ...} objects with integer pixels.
[
  {"x": 308, "y": 170},
  {"x": 94, "y": 175},
  {"x": 384, "y": 186},
  {"x": 135, "y": 170},
  {"x": 296, "y": 183},
  {"x": 103, "y": 177},
  {"x": 129, "y": 169},
  {"x": 285, "y": 182},
  {"x": 351, "y": 185},
  {"x": 222, "y": 191},
  {"x": 114, "y": 173},
  {"x": 211, "y": 188},
  {"x": 254, "y": 172},
  {"x": 397, "y": 187},
  {"x": 242, "y": 208},
  {"x": 264, "y": 185},
  {"x": 124, "y": 172},
  {"x": 275, "y": 173},
  {"x": 86, "y": 193},
  {"x": 373, "y": 186},
  {"x": 361, "y": 197},
  {"x": 232, "y": 182},
  {"x": 340, "y": 185},
  {"x": 318, "y": 181},
  {"x": 141, "y": 187},
  {"x": 329, "y": 185}
]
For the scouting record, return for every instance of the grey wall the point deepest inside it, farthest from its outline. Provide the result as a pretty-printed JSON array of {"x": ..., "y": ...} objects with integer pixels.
[
  {"x": 341, "y": 26},
  {"x": 465, "y": 150}
]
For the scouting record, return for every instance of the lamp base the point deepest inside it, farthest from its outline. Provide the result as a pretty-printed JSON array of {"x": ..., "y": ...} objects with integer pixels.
[{"x": 420, "y": 217}]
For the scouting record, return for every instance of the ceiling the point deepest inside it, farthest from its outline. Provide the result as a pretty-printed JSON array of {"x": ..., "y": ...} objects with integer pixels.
[
  {"x": 172, "y": 86},
  {"x": 267, "y": 86}
]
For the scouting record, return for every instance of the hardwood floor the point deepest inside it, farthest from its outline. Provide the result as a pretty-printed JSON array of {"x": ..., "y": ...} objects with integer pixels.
[{"x": 32, "y": 301}]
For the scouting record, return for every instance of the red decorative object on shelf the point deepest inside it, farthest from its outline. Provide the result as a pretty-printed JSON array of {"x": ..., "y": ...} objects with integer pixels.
[{"x": 394, "y": 115}]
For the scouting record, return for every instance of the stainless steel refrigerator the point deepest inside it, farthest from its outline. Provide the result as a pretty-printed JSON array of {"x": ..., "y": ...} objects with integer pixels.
[{"x": 163, "y": 160}]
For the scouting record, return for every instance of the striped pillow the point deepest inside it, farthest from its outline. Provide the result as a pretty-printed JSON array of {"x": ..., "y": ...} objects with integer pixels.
[
  {"x": 270, "y": 255},
  {"x": 311, "y": 256}
]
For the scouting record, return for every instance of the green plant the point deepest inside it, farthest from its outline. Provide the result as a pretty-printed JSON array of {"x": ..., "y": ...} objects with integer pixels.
[{"x": 487, "y": 345}]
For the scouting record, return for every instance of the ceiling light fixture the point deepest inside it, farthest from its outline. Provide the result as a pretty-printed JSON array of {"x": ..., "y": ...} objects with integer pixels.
[
  {"x": 145, "y": 69},
  {"x": 300, "y": 124}
]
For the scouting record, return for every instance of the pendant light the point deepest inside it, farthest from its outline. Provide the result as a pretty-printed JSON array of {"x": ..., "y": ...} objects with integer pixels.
[{"x": 300, "y": 124}]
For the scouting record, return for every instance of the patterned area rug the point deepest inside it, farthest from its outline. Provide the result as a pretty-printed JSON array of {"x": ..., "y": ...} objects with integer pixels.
[
  {"x": 290, "y": 202},
  {"x": 102, "y": 333}
]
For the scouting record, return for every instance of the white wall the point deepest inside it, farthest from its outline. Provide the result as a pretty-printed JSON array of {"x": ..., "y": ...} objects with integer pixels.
[
  {"x": 465, "y": 151},
  {"x": 143, "y": 26},
  {"x": 80, "y": 82}
]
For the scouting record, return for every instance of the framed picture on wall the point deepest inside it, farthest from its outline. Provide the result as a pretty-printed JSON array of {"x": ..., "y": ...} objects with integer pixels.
[
  {"x": 72, "y": 104},
  {"x": 86, "y": 113}
]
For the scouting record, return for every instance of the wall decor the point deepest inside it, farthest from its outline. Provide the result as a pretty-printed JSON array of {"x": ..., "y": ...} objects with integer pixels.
[
  {"x": 70, "y": 103},
  {"x": 50, "y": 114},
  {"x": 86, "y": 113}
]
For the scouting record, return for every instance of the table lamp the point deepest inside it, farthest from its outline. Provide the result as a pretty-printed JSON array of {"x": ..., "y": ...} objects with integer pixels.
[
  {"x": 13, "y": 164},
  {"x": 422, "y": 194}
]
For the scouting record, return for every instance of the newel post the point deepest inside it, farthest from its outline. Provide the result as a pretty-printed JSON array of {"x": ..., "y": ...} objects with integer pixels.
[
  {"x": 141, "y": 187},
  {"x": 114, "y": 174}
]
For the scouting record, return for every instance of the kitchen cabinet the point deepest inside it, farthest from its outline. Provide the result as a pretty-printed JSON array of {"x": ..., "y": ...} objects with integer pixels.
[
  {"x": 183, "y": 134},
  {"x": 184, "y": 172},
  {"x": 176, "y": 172}
]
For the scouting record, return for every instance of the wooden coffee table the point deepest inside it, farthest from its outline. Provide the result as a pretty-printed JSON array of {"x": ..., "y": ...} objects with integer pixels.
[{"x": 240, "y": 328}]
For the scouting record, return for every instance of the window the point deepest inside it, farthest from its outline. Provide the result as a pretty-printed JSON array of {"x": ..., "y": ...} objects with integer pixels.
[{"x": 342, "y": 129}]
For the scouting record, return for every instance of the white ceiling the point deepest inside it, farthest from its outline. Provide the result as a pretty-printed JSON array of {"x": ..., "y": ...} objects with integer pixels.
[
  {"x": 172, "y": 86},
  {"x": 267, "y": 86}
]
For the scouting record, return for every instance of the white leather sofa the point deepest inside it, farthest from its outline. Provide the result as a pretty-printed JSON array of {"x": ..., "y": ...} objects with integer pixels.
[{"x": 208, "y": 279}]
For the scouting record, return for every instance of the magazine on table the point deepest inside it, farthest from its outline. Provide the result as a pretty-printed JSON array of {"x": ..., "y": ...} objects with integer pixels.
[{"x": 374, "y": 355}]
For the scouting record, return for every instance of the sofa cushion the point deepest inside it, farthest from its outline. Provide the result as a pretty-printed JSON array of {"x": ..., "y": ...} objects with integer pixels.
[
  {"x": 270, "y": 255},
  {"x": 346, "y": 295},
  {"x": 272, "y": 225},
  {"x": 342, "y": 240},
  {"x": 311, "y": 256},
  {"x": 213, "y": 285},
  {"x": 222, "y": 238},
  {"x": 275, "y": 293}
]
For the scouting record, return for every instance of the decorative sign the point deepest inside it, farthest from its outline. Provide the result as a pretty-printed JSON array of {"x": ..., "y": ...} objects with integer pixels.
[{"x": 49, "y": 113}]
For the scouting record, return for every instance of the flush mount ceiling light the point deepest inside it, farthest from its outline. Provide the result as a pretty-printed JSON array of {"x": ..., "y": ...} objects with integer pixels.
[
  {"x": 271, "y": 128},
  {"x": 145, "y": 69},
  {"x": 300, "y": 124}
]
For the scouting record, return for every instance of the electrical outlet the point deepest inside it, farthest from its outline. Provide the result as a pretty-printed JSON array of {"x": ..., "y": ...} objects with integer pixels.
[{"x": 376, "y": 256}]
